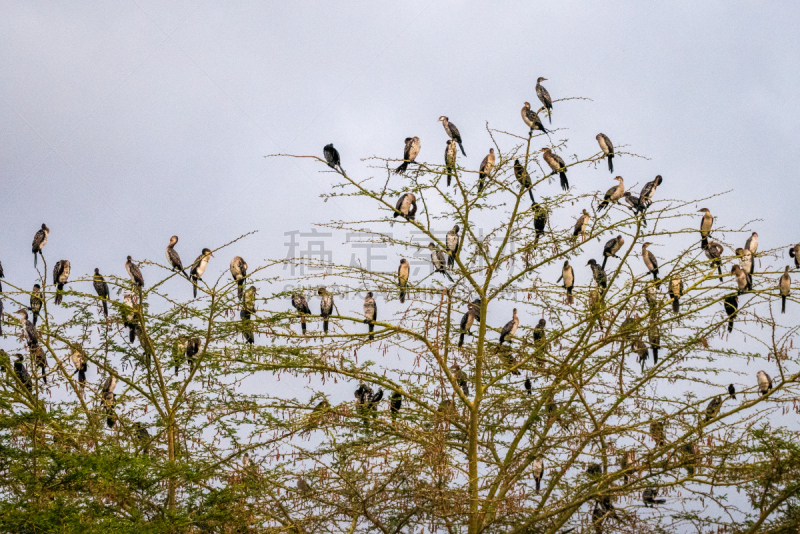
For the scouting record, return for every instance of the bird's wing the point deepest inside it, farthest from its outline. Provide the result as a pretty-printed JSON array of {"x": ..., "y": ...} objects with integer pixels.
[{"x": 400, "y": 201}]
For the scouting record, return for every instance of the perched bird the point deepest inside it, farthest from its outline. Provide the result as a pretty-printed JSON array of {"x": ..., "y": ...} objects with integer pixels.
[
  {"x": 370, "y": 313},
  {"x": 742, "y": 280},
  {"x": 531, "y": 119},
  {"x": 317, "y": 413},
  {"x": 649, "y": 497},
  {"x": 523, "y": 178},
  {"x": 469, "y": 318},
  {"x": 746, "y": 264},
  {"x": 637, "y": 205},
  {"x": 651, "y": 296},
  {"x": 580, "y": 225},
  {"x": 366, "y": 400},
  {"x": 731, "y": 303},
  {"x": 402, "y": 278},
  {"x": 450, "y": 153},
  {"x": 406, "y": 206},
  {"x": 130, "y": 316},
  {"x": 705, "y": 226},
  {"x": 461, "y": 378},
  {"x": 676, "y": 291},
  {"x": 199, "y": 268},
  {"x": 325, "y": 306},
  {"x": 39, "y": 241},
  {"x": 78, "y": 358},
  {"x": 598, "y": 516},
  {"x": 528, "y": 386},
  {"x": 794, "y": 252},
  {"x": 1, "y": 318},
  {"x": 453, "y": 242},
  {"x": 657, "y": 432},
  {"x": 248, "y": 308},
  {"x": 193, "y": 346},
  {"x": 439, "y": 261},
  {"x": 239, "y": 273},
  {"x": 22, "y": 373},
  {"x": 752, "y": 243},
  {"x": 598, "y": 274},
  {"x": 109, "y": 401},
  {"x": 732, "y": 391},
  {"x": 510, "y": 328},
  {"x": 544, "y": 98},
  {"x": 568, "y": 275},
  {"x": 36, "y": 302},
  {"x": 40, "y": 361},
  {"x": 134, "y": 273},
  {"x": 642, "y": 352},
  {"x": 143, "y": 437},
  {"x": 2, "y": 275},
  {"x": 538, "y": 472},
  {"x": 713, "y": 252},
  {"x": 689, "y": 455},
  {"x": 627, "y": 460},
  {"x": 784, "y": 286},
  {"x": 608, "y": 149},
  {"x": 713, "y": 408},
  {"x": 301, "y": 305},
  {"x": 556, "y": 165},
  {"x": 28, "y": 330},
  {"x": 101, "y": 288},
  {"x": 612, "y": 247},
  {"x": 764, "y": 383},
  {"x": 60, "y": 277},
  {"x": 410, "y": 154},
  {"x": 249, "y": 301},
  {"x": 539, "y": 221},
  {"x": 649, "y": 190},
  {"x": 395, "y": 403},
  {"x": 173, "y": 258},
  {"x": 650, "y": 260},
  {"x": 654, "y": 338},
  {"x": 540, "y": 334},
  {"x": 332, "y": 157},
  {"x": 614, "y": 194},
  {"x": 485, "y": 169},
  {"x": 452, "y": 132}
]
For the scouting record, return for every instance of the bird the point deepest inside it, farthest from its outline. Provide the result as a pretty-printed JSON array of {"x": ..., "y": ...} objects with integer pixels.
[
  {"x": 752, "y": 243},
  {"x": 510, "y": 328},
  {"x": 742, "y": 280},
  {"x": 608, "y": 149},
  {"x": 649, "y": 190},
  {"x": 134, "y": 273},
  {"x": 731, "y": 303},
  {"x": 39, "y": 241},
  {"x": 317, "y": 413},
  {"x": 568, "y": 275},
  {"x": 485, "y": 169},
  {"x": 78, "y": 358},
  {"x": 247, "y": 326},
  {"x": 40, "y": 360},
  {"x": 109, "y": 400},
  {"x": 580, "y": 225},
  {"x": 193, "y": 346},
  {"x": 794, "y": 252},
  {"x": 2, "y": 275},
  {"x": 395, "y": 403},
  {"x": 199, "y": 268},
  {"x": 332, "y": 157},
  {"x": 173, "y": 258},
  {"x": 370, "y": 314},
  {"x": 784, "y": 286},
  {"x": 746, "y": 264},
  {"x": 713, "y": 408},
  {"x": 101, "y": 288},
  {"x": 528, "y": 386},
  {"x": 406, "y": 206},
  {"x": 452, "y": 132},
  {"x": 764, "y": 383},
  {"x": 450, "y": 153},
  {"x": 301, "y": 305},
  {"x": 539, "y": 333},
  {"x": 60, "y": 277},
  {"x": 650, "y": 260},
  {"x": 657, "y": 432},
  {"x": 36, "y": 302},
  {"x": 461, "y": 378},
  {"x": 614, "y": 194},
  {"x": 538, "y": 472},
  {"x": 1, "y": 321},
  {"x": 654, "y": 338},
  {"x": 179, "y": 352},
  {"x": 531, "y": 119},
  {"x": 642, "y": 352},
  {"x": 689, "y": 454},
  {"x": 705, "y": 226},
  {"x": 597, "y": 519},
  {"x": 649, "y": 497},
  {"x": 713, "y": 252},
  {"x": 366, "y": 400},
  {"x": 402, "y": 278},
  {"x": 469, "y": 318},
  {"x": 650, "y": 295},
  {"x": 598, "y": 274},
  {"x": 143, "y": 437},
  {"x": 637, "y": 205},
  {"x": 453, "y": 242},
  {"x": 249, "y": 301},
  {"x": 439, "y": 262},
  {"x": 28, "y": 330},
  {"x": 544, "y": 98},
  {"x": 539, "y": 221},
  {"x": 239, "y": 273},
  {"x": 732, "y": 391},
  {"x": 325, "y": 306},
  {"x": 612, "y": 247},
  {"x": 22, "y": 373},
  {"x": 676, "y": 291},
  {"x": 556, "y": 165},
  {"x": 524, "y": 179},
  {"x": 410, "y": 154},
  {"x": 130, "y": 316}
]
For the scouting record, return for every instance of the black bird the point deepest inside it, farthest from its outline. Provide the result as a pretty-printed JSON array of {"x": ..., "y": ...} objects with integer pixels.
[
  {"x": 247, "y": 327},
  {"x": 637, "y": 205},
  {"x": 332, "y": 157},
  {"x": 613, "y": 195},
  {"x": 40, "y": 360},
  {"x": 784, "y": 286},
  {"x": 689, "y": 455},
  {"x": 712, "y": 410},
  {"x": 143, "y": 437},
  {"x": 469, "y": 318},
  {"x": 650, "y": 260},
  {"x": 714, "y": 254},
  {"x": 612, "y": 247},
  {"x": 523, "y": 178},
  {"x": 597, "y": 519},
  {"x": 134, "y": 273},
  {"x": 402, "y": 278},
  {"x": 510, "y": 328},
  {"x": 608, "y": 149},
  {"x": 568, "y": 276},
  {"x": 2, "y": 275},
  {"x": 60, "y": 277},
  {"x": 539, "y": 333},
  {"x": 705, "y": 226},
  {"x": 485, "y": 169},
  {"x": 439, "y": 261},
  {"x": 531, "y": 119},
  {"x": 676, "y": 291},
  {"x": 301, "y": 305},
  {"x": 28, "y": 330},
  {"x": 39, "y": 241},
  {"x": 1, "y": 318},
  {"x": 598, "y": 274},
  {"x": 395, "y": 403},
  {"x": 732, "y": 391},
  {"x": 544, "y": 98},
  {"x": 556, "y": 165},
  {"x": 654, "y": 338},
  {"x": 452, "y": 132},
  {"x": 450, "y": 153},
  {"x": 538, "y": 472},
  {"x": 594, "y": 470},
  {"x": 410, "y": 154},
  {"x": 130, "y": 316},
  {"x": 461, "y": 378},
  {"x": 101, "y": 288},
  {"x": 22, "y": 373},
  {"x": 199, "y": 268},
  {"x": 36, "y": 302},
  {"x": 192, "y": 350},
  {"x": 239, "y": 273},
  {"x": 539, "y": 221},
  {"x": 649, "y": 190},
  {"x": 109, "y": 401},
  {"x": 649, "y": 497},
  {"x": 370, "y": 313},
  {"x": 249, "y": 301},
  {"x": 406, "y": 206},
  {"x": 367, "y": 401},
  {"x": 657, "y": 433},
  {"x": 731, "y": 309},
  {"x": 173, "y": 258},
  {"x": 453, "y": 242},
  {"x": 764, "y": 383},
  {"x": 794, "y": 252},
  {"x": 325, "y": 306},
  {"x": 528, "y": 386}
]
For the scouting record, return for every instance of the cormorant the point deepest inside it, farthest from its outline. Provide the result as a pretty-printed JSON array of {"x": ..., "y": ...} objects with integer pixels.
[
  {"x": 613, "y": 195},
  {"x": 714, "y": 254},
  {"x": 510, "y": 328},
  {"x": 764, "y": 383},
  {"x": 540, "y": 333},
  {"x": 36, "y": 302},
  {"x": 752, "y": 245},
  {"x": 649, "y": 189},
  {"x": 568, "y": 275},
  {"x": 598, "y": 274},
  {"x": 742, "y": 280},
  {"x": 608, "y": 149},
  {"x": 130, "y": 316},
  {"x": 654, "y": 338},
  {"x": 22, "y": 373},
  {"x": 784, "y": 286},
  {"x": 239, "y": 273},
  {"x": 528, "y": 386},
  {"x": 580, "y": 225},
  {"x": 192, "y": 350},
  {"x": 439, "y": 261},
  {"x": 370, "y": 314},
  {"x": 612, "y": 247},
  {"x": 301, "y": 305},
  {"x": 317, "y": 413},
  {"x": 39, "y": 241},
  {"x": 637, "y": 206},
  {"x": 40, "y": 360},
  {"x": 469, "y": 318},
  {"x": 650, "y": 296},
  {"x": 60, "y": 277},
  {"x": 539, "y": 221},
  {"x": 794, "y": 252},
  {"x": 452, "y": 132},
  {"x": 657, "y": 432},
  {"x": 2, "y": 275},
  {"x": 705, "y": 226},
  {"x": 731, "y": 303},
  {"x": 523, "y": 178},
  {"x": 143, "y": 437},
  {"x": 732, "y": 391},
  {"x": 453, "y": 242},
  {"x": 746, "y": 264},
  {"x": 395, "y": 403},
  {"x": 538, "y": 472},
  {"x": 676, "y": 291},
  {"x": 325, "y": 306},
  {"x": 544, "y": 98},
  {"x": 101, "y": 288},
  {"x": 450, "y": 153},
  {"x": 28, "y": 330},
  {"x": 461, "y": 378},
  {"x": 531, "y": 119},
  {"x": 109, "y": 401},
  {"x": 406, "y": 206},
  {"x": 78, "y": 358},
  {"x": 199, "y": 268},
  {"x": 556, "y": 165},
  {"x": 173, "y": 258},
  {"x": 134, "y": 273},
  {"x": 366, "y": 400},
  {"x": 248, "y": 308},
  {"x": 402, "y": 278},
  {"x": 649, "y": 497},
  {"x": 650, "y": 260},
  {"x": 485, "y": 169},
  {"x": 713, "y": 408},
  {"x": 410, "y": 154},
  {"x": 332, "y": 157},
  {"x": 640, "y": 348}
]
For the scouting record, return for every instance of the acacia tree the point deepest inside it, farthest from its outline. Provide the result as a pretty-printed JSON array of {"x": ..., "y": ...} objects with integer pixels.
[{"x": 204, "y": 430}]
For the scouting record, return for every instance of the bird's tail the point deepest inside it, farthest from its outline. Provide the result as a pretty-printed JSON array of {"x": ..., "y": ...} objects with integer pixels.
[
  {"x": 462, "y": 149},
  {"x": 449, "y": 176},
  {"x": 660, "y": 501},
  {"x": 35, "y": 318},
  {"x": 132, "y": 333},
  {"x": 605, "y": 259},
  {"x": 538, "y": 482},
  {"x": 655, "y": 275},
  {"x": 676, "y": 305},
  {"x": 194, "y": 286},
  {"x": 461, "y": 340},
  {"x": 35, "y": 259},
  {"x": 402, "y": 296},
  {"x": 371, "y": 329},
  {"x": 704, "y": 242},
  {"x": 602, "y": 206},
  {"x": 730, "y": 324},
  {"x": 564, "y": 181},
  {"x": 325, "y": 326},
  {"x": 81, "y": 377},
  {"x": 481, "y": 184},
  {"x": 451, "y": 259},
  {"x": 402, "y": 168},
  {"x": 303, "y": 324},
  {"x": 570, "y": 298},
  {"x": 105, "y": 308},
  {"x": 240, "y": 288},
  {"x": 719, "y": 270},
  {"x": 448, "y": 275},
  {"x": 611, "y": 163},
  {"x": 655, "y": 354},
  {"x": 783, "y": 303}
]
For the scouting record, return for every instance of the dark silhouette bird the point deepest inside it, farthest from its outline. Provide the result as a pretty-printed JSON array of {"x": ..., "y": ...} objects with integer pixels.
[
  {"x": 452, "y": 132},
  {"x": 650, "y": 260},
  {"x": 199, "y": 267},
  {"x": 36, "y": 302},
  {"x": 2, "y": 275},
  {"x": 332, "y": 157},
  {"x": 40, "y": 361},
  {"x": 402, "y": 278},
  {"x": 524, "y": 179},
  {"x": 130, "y": 316},
  {"x": 581, "y": 224},
  {"x": 28, "y": 330},
  {"x": 613, "y": 195},
  {"x": 642, "y": 352},
  {"x": 731, "y": 303},
  {"x": 528, "y": 386},
  {"x": 732, "y": 391},
  {"x": 689, "y": 457},
  {"x": 713, "y": 408},
  {"x": 193, "y": 346},
  {"x": 568, "y": 276},
  {"x": 247, "y": 326},
  {"x": 301, "y": 305},
  {"x": 60, "y": 278},
  {"x": 78, "y": 358},
  {"x": 485, "y": 169},
  {"x": 544, "y": 98},
  {"x": 101, "y": 288},
  {"x": 395, "y": 403},
  {"x": 325, "y": 306},
  {"x": 370, "y": 313},
  {"x": 22, "y": 373},
  {"x": 654, "y": 338},
  {"x": 637, "y": 205},
  {"x": 794, "y": 252},
  {"x": 612, "y": 247},
  {"x": 450, "y": 153},
  {"x": 135, "y": 274},
  {"x": 239, "y": 274},
  {"x": 598, "y": 516},
  {"x": 594, "y": 470},
  {"x": 598, "y": 274},
  {"x": 531, "y": 119},
  {"x": 453, "y": 242},
  {"x": 649, "y": 497},
  {"x": 469, "y": 318},
  {"x": 626, "y": 461},
  {"x": 539, "y": 333},
  {"x": 746, "y": 264},
  {"x": 649, "y": 190},
  {"x": 785, "y": 286},
  {"x": 410, "y": 154},
  {"x": 143, "y": 437},
  {"x": 714, "y": 254},
  {"x": 741, "y": 278},
  {"x": 676, "y": 291},
  {"x": 538, "y": 472},
  {"x": 752, "y": 243},
  {"x": 510, "y": 328},
  {"x": 439, "y": 262},
  {"x": 406, "y": 206},
  {"x": 109, "y": 401},
  {"x": 539, "y": 221},
  {"x": 461, "y": 378},
  {"x": 657, "y": 433},
  {"x": 173, "y": 258},
  {"x": 608, "y": 149},
  {"x": 764, "y": 383},
  {"x": 367, "y": 401},
  {"x": 705, "y": 226},
  {"x": 39, "y": 241},
  {"x": 556, "y": 165},
  {"x": 1, "y": 318}
]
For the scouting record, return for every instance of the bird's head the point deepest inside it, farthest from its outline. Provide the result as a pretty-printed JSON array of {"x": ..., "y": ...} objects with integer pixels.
[
  {"x": 704, "y": 210},
  {"x": 527, "y": 105},
  {"x": 19, "y": 357},
  {"x": 207, "y": 252},
  {"x": 659, "y": 179},
  {"x": 541, "y": 79},
  {"x": 369, "y": 294},
  {"x": 491, "y": 151},
  {"x": 403, "y": 261},
  {"x": 646, "y": 244},
  {"x": 37, "y": 286},
  {"x": 546, "y": 150},
  {"x": 515, "y": 311},
  {"x": 591, "y": 262},
  {"x": 542, "y": 323},
  {"x": 22, "y": 314},
  {"x": 618, "y": 178},
  {"x": 442, "y": 118},
  {"x": 45, "y": 228},
  {"x": 96, "y": 270},
  {"x": 129, "y": 258},
  {"x": 431, "y": 246},
  {"x": 456, "y": 229},
  {"x": 321, "y": 291},
  {"x": 173, "y": 240}
]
